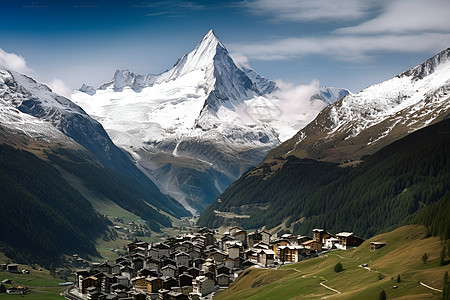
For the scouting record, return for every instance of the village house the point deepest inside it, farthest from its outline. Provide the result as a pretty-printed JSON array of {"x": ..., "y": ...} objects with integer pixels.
[
  {"x": 377, "y": 245},
  {"x": 266, "y": 257},
  {"x": 320, "y": 235},
  {"x": 202, "y": 286},
  {"x": 348, "y": 240},
  {"x": 312, "y": 245},
  {"x": 291, "y": 253}
]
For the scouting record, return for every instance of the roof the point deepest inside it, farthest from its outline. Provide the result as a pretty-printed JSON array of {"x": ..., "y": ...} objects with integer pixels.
[
  {"x": 379, "y": 243},
  {"x": 269, "y": 252},
  {"x": 318, "y": 230},
  {"x": 310, "y": 242},
  {"x": 345, "y": 234}
]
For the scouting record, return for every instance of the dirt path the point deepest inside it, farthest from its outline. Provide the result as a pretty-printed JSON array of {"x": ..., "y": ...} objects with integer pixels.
[
  {"x": 429, "y": 287},
  {"x": 331, "y": 289},
  {"x": 321, "y": 283}
]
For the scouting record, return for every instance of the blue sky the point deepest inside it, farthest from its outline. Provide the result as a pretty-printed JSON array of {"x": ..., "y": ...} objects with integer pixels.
[{"x": 342, "y": 43}]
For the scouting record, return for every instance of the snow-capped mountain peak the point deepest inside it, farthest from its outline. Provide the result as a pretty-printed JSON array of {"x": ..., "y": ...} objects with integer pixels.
[
  {"x": 203, "y": 116},
  {"x": 359, "y": 124}
]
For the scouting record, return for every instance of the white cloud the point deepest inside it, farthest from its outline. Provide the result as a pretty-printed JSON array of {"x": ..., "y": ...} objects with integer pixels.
[
  {"x": 240, "y": 60},
  {"x": 406, "y": 16},
  {"x": 344, "y": 47},
  {"x": 14, "y": 62},
  {"x": 58, "y": 86},
  {"x": 310, "y": 10}
]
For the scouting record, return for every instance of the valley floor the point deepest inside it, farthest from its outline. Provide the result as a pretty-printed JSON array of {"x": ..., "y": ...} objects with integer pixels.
[{"x": 315, "y": 278}]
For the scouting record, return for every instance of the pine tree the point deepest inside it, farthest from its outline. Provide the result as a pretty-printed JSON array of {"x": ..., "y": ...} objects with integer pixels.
[
  {"x": 442, "y": 256},
  {"x": 399, "y": 279},
  {"x": 382, "y": 295},
  {"x": 425, "y": 258}
]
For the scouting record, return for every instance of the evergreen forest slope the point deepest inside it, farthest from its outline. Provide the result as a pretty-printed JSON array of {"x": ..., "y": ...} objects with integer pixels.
[{"x": 383, "y": 191}]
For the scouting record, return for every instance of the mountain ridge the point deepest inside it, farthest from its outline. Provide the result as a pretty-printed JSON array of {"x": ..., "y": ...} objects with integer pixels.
[{"x": 204, "y": 109}]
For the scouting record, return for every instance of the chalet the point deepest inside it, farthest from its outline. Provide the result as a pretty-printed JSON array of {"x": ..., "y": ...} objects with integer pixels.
[
  {"x": 320, "y": 235},
  {"x": 182, "y": 269},
  {"x": 234, "y": 251},
  {"x": 209, "y": 266},
  {"x": 194, "y": 272},
  {"x": 6, "y": 281},
  {"x": 219, "y": 257},
  {"x": 185, "y": 279},
  {"x": 115, "y": 269},
  {"x": 154, "y": 284},
  {"x": 163, "y": 294},
  {"x": 210, "y": 275},
  {"x": 139, "y": 283},
  {"x": 105, "y": 267},
  {"x": 233, "y": 263},
  {"x": 266, "y": 257},
  {"x": 169, "y": 270},
  {"x": 377, "y": 245},
  {"x": 291, "y": 253},
  {"x": 223, "y": 270},
  {"x": 182, "y": 259},
  {"x": 163, "y": 249},
  {"x": 3, "y": 267},
  {"x": 302, "y": 238},
  {"x": 290, "y": 237},
  {"x": 96, "y": 295},
  {"x": 313, "y": 245},
  {"x": 278, "y": 243},
  {"x": 251, "y": 254},
  {"x": 137, "y": 262},
  {"x": 253, "y": 238},
  {"x": 261, "y": 245},
  {"x": 176, "y": 296},
  {"x": 123, "y": 280},
  {"x": 348, "y": 240},
  {"x": 195, "y": 252},
  {"x": 13, "y": 268},
  {"x": 241, "y": 235},
  {"x": 168, "y": 261},
  {"x": 202, "y": 286},
  {"x": 169, "y": 282},
  {"x": 153, "y": 264},
  {"x": 147, "y": 273},
  {"x": 106, "y": 282},
  {"x": 331, "y": 243},
  {"x": 118, "y": 286},
  {"x": 265, "y": 237},
  {"x": 198, "y": 262},
  {"x": 223, "y": 280},
  {"x": 153, "y": 253},
  {"x": 247, "y": 264}
]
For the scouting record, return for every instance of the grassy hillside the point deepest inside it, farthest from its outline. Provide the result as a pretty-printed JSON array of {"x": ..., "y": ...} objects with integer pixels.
[
  {"x": 40, "y": 282},
  {"x": 401, "y": 256},
  {"x": 381, "y": 192}
]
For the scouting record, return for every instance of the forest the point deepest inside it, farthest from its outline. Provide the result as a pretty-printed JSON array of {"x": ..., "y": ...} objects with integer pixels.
[
  {"x": 387, "y": 189},
  {"x": 41, "y": 216}
]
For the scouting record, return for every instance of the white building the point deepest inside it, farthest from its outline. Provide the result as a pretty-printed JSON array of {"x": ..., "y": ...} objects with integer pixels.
[{"x": 202, "y": 286}]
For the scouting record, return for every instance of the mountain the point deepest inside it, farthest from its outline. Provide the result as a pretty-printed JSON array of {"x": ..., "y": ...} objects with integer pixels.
[
  {"x": 397, "y": 147},
  {"x": 362, "y": 123},
  {"x": 30, "y": 104},
  {"x": 194, "y": 128},
  {"x": 55, "y": 160}
]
